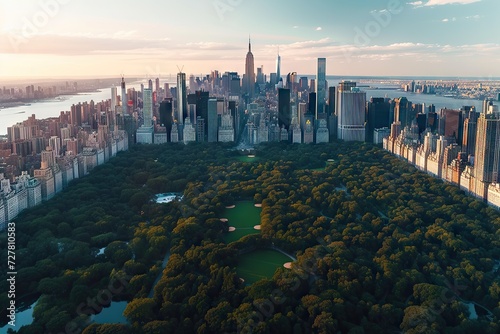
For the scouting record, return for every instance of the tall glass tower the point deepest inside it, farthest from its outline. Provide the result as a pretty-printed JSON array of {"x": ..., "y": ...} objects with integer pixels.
[
  {"x": 181, "y": 98},
  {"x": 147, "y": 108},
  {"x": 124, "y": 97},
  {"x": 284, "y": 111},
  {"x": 320, "y": 87},
  {"x": 114, "y": 92}
]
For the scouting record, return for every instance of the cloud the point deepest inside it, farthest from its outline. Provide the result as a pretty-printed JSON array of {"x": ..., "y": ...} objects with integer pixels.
[
  {"x": 449, "y": 2},
  {"x": 319, "y": 28},
  {"x": 453, "y": 19},
  {"x": 324, "y": 42},
  {"x": 121, "y": 42},
  {"x": 130, "y": 46},
  {"x": 211, "y": 46},
  {"x": 429, "y": 3},
  {"x": 311, "y": 49}
]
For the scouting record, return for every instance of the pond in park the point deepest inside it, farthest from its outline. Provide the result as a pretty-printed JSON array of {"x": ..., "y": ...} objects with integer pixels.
[
  {"x": 24, "y": 316},
  {"x": 168, "y": 197},
  {"x": 112, "y": 314}
]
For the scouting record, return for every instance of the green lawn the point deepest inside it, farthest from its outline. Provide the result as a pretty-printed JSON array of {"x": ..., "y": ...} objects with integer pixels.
[
  {"x": 244, "y": 217},
  {"x": 260, "y": 264},
  {"x": 245, "y": 158}
]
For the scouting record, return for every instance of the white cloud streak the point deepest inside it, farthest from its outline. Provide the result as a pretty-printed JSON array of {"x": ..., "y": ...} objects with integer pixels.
[
  {"x": 450, "y": 2},
  {"x": 433, "y": 3}
]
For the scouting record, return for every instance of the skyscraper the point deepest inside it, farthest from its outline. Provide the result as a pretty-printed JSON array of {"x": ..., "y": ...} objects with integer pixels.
[
  {"x": 320, "y": 87},
  {"x": 192, "y": 84},
  {"x": 322, "y": 134},
  {"x": 486, "y": 105},
  {"x": 113, "y": 98},
  {"x": 331, "y": 101},
  {"x": 144, "y": 134},
  {"x": 311, "y": 107},
  {"x": 470, "y": 130},
  {"x": 291, "y": 82},
  {"x": 147, "y": 107},
  {"x": 487, "y": 159},
  {"x": 351, "y": 112},
  {"x": 303, "y": 84},
  {"x": 249, "y": 84},
  {"x": 166, "y": 117},
  {"x": 403, "y": 111},
  {"x": 377, "y": 116},
  {"x": 212, "y": 120},
  {"x": 200, "y": 100},
  {"x": 124, "y": 97},
  {"x": 181, "y": 98},
  {"x": 260, "y": 75},
  {"x": 189, "y": 132},
  {"x": 284, "y": 111},
  {"x": 226, "y": 129},
  {"x": 451, "y": 124},
  {"x": 272, "y": 78}
]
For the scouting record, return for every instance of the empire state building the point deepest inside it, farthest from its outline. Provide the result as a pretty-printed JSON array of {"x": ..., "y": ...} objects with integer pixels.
[{"x": 249, "y": 80}]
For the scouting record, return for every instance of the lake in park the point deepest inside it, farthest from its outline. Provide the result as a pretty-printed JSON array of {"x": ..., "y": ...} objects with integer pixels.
[
  {"x": 168, "y": 197},
  {"x": 24, "y": 316},
  {"x": 112, "y": 314}
]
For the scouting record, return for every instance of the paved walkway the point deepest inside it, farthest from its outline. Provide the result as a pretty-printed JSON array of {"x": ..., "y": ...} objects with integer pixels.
[{"x": 284, "y": 253}]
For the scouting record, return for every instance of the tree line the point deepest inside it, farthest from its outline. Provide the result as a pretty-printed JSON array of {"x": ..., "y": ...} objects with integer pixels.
[{"x": 380, "y": 246}]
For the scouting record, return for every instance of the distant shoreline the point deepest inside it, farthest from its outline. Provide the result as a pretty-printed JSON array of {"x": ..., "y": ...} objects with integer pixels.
[{"x": 26, "y": 102}]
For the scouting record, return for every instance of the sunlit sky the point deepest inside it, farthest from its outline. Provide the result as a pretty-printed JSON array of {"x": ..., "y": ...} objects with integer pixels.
[{"x": 91, "y": 38}]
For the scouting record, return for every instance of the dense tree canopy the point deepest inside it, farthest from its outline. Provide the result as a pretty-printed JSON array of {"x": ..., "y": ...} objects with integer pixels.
[{"x": 380, "y": 246}]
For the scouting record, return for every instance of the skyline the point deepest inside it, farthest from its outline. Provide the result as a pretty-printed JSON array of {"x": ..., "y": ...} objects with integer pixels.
[{"x": 66, "y": 38}]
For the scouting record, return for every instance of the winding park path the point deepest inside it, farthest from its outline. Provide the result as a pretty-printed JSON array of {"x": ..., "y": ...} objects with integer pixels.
[
  {"x": 490, "y": 315},
  {"x": 283, "y": 252},
  {"x": 323, "y": 215},
  {"x": 163, "y": 265}
]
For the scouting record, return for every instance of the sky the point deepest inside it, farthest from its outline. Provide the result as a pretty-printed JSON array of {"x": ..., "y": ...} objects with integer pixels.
[{"x": 150, "y": 38}]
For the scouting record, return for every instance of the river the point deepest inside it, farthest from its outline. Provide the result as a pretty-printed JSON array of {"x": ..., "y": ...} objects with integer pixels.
[
  {"x": 53, "y": 107},
  {"x": 394, "y": 91}
]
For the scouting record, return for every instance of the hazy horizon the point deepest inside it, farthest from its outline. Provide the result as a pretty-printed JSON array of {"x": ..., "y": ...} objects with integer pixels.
[
  {"x": 136, "y": 78},
  {"x": 66, "y": 38}
]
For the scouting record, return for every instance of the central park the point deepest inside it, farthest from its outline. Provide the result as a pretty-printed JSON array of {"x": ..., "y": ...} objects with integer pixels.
[{"x": 334, "y": 238}]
